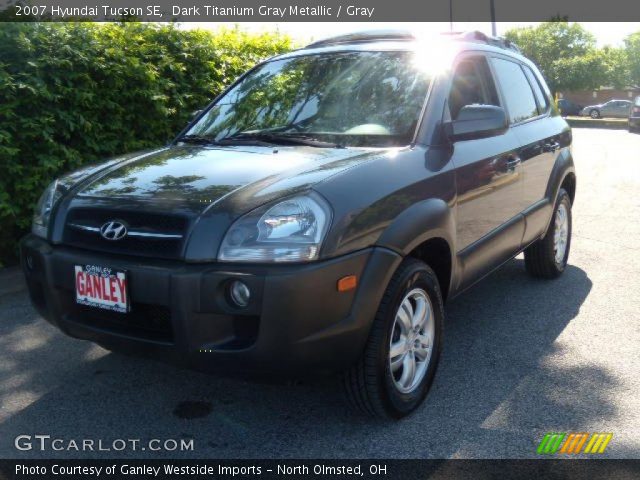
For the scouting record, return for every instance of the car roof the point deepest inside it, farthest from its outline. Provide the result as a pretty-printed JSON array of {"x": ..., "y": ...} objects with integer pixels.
[{"x": 404, "y": 40}]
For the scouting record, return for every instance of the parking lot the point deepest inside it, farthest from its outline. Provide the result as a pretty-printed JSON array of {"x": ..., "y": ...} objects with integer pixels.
[{"x": 522, "y": 357}]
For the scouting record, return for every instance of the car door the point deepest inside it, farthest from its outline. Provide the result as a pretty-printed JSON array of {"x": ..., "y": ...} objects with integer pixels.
[
  {"x": 488, "y": 177},
  {"x": 615, "y": 108},
  {"x": 623, "y": 109},
  {"x": 540, "y": 136},
  {"x": 608, "y": 109}
]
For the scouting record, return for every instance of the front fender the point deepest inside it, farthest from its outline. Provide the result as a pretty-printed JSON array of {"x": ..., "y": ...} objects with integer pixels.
[{"x": 432, "y": 218}]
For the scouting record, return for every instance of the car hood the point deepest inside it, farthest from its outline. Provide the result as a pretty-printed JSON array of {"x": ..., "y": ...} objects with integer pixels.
[{"x": 205, "y": 177}]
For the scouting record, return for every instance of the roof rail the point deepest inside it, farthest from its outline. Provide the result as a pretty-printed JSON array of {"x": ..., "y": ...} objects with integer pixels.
[
  {"x": 365, "y": 36},
  {"x": 479, "y": 37},
  {"x": 406, "y": 35}
]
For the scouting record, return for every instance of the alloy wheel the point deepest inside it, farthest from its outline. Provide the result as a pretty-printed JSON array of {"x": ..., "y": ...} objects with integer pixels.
[
  {"x": 561, "y": 233},
  {"x": 412, "y": 341}
]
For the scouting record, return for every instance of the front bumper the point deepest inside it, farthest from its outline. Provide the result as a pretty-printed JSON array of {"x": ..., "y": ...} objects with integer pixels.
[{"x": 296, "y": 320}]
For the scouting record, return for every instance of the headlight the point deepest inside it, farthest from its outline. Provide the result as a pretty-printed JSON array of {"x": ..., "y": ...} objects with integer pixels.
[
  {"x": 289, "y": 231},
  {"x": 43, "y": 209}
]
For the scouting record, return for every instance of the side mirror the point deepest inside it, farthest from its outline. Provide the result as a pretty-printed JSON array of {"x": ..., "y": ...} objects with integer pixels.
[{"x": 477, "y": 121}]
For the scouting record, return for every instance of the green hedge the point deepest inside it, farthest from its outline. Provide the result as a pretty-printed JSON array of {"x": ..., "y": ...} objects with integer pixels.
[{"x": 73, "y": 93}]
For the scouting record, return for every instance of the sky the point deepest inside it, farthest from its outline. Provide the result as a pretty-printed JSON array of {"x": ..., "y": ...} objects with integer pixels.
[{"x": 606, "y": 33}]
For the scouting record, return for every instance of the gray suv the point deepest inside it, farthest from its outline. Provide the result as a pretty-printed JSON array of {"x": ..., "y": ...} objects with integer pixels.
[{"x": 316, "y": 216}]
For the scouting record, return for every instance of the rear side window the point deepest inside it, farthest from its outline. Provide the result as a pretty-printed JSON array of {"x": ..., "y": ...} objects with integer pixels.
[
  {"x": 543, "y": 101},
  {"x": 472, "y": 84},
  {"x": 516, "y": 90}
]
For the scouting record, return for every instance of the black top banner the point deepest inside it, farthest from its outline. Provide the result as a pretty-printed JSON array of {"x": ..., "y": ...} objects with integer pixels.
[{"x": 322, "y": 10}]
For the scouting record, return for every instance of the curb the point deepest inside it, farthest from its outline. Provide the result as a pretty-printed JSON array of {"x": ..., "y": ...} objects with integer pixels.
[{"x": 598, "y": 123}]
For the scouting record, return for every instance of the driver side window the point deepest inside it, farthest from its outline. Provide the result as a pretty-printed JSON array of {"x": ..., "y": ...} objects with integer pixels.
[{"x": 472, "y": 84}]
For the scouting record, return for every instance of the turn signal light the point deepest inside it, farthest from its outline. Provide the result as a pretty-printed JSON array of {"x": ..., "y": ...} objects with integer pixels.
[{"x": 347, "y": 283}]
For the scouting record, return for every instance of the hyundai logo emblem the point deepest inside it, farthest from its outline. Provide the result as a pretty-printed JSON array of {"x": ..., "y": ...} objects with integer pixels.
[{"x": 113, "y": 230}]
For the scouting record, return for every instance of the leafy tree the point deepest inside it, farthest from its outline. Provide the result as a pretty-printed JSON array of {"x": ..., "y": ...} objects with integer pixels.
[
  {"x": 616, "y": 63},
  {"x": 632, "y": 50},
  {"x": 566, "y": 54}
]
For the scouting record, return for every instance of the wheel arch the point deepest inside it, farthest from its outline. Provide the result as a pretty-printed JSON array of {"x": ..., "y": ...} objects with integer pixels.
[
  {"x": 436, "y": 253},
  {"x": 562, "y": 175},
  {"x": 426, "y": 231},
  {"x": 569, "y": 184}
]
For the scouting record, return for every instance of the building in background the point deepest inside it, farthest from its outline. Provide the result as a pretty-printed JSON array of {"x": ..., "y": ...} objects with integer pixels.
[{"x": 603, "y": 94}]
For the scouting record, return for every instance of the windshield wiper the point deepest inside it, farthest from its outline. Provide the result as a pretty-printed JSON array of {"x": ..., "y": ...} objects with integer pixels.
[
  {"x": 260, "y": 138},
  {"x": 284, "y": 139},
  {"x": 201, "y": 139},
  {"x": 227, "y": 141}
]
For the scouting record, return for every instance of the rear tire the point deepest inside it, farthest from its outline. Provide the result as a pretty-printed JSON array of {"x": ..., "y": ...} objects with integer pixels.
[
  {"x": 547, "y": 257},
  {"x": 378, "y": 384}
]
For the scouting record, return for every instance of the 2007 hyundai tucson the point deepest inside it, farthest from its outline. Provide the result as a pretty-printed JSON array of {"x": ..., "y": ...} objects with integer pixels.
[{"x": 315, "y": 216}]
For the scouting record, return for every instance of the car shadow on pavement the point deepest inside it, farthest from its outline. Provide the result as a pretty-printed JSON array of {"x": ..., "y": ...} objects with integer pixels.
[
  {"x": 501, "y": 382},
  {"x": 503, "y": 369}
]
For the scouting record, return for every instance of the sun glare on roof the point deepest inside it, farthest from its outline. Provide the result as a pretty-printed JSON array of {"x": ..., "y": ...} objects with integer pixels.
[{"x": 433, "y": 54}]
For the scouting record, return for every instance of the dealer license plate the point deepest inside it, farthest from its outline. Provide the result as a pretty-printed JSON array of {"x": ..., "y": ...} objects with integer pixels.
[{"x": 102, "y": 287}]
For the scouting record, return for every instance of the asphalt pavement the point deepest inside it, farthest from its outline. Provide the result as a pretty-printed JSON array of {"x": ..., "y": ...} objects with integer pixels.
[{"x": 522, "y": 357}]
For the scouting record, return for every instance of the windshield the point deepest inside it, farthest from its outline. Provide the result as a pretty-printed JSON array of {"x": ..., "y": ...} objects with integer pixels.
[{"x": 346, "y": 98}]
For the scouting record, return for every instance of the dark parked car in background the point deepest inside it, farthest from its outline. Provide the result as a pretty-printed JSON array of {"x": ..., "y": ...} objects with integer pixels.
[
  {"x": 612, "y": 108},
  {"x": 634, "y": 116},
  {"x": 567, "y": 107},
  {"x": 316, "y": 216}
]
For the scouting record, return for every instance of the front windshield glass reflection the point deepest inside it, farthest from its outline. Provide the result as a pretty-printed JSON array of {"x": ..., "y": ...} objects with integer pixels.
[{"x": 346, "y": 98}]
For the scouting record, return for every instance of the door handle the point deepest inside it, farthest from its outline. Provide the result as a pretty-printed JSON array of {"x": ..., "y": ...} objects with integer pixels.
[
  {"x": 551, "y": 146},
  {"x": 513, "y": 162}
]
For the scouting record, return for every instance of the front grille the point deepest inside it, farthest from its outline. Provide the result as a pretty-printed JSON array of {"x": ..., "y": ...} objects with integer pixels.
[
  {"x": 83, "y": 224},
  {"x": 149, "y": 322}
]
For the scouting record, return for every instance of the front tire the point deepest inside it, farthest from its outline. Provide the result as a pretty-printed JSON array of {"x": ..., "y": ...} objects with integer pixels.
[
  {"x": 394, "y": 374},
  {"x": 547, "y": 257},
  {"x": 594, "y": 113}
]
